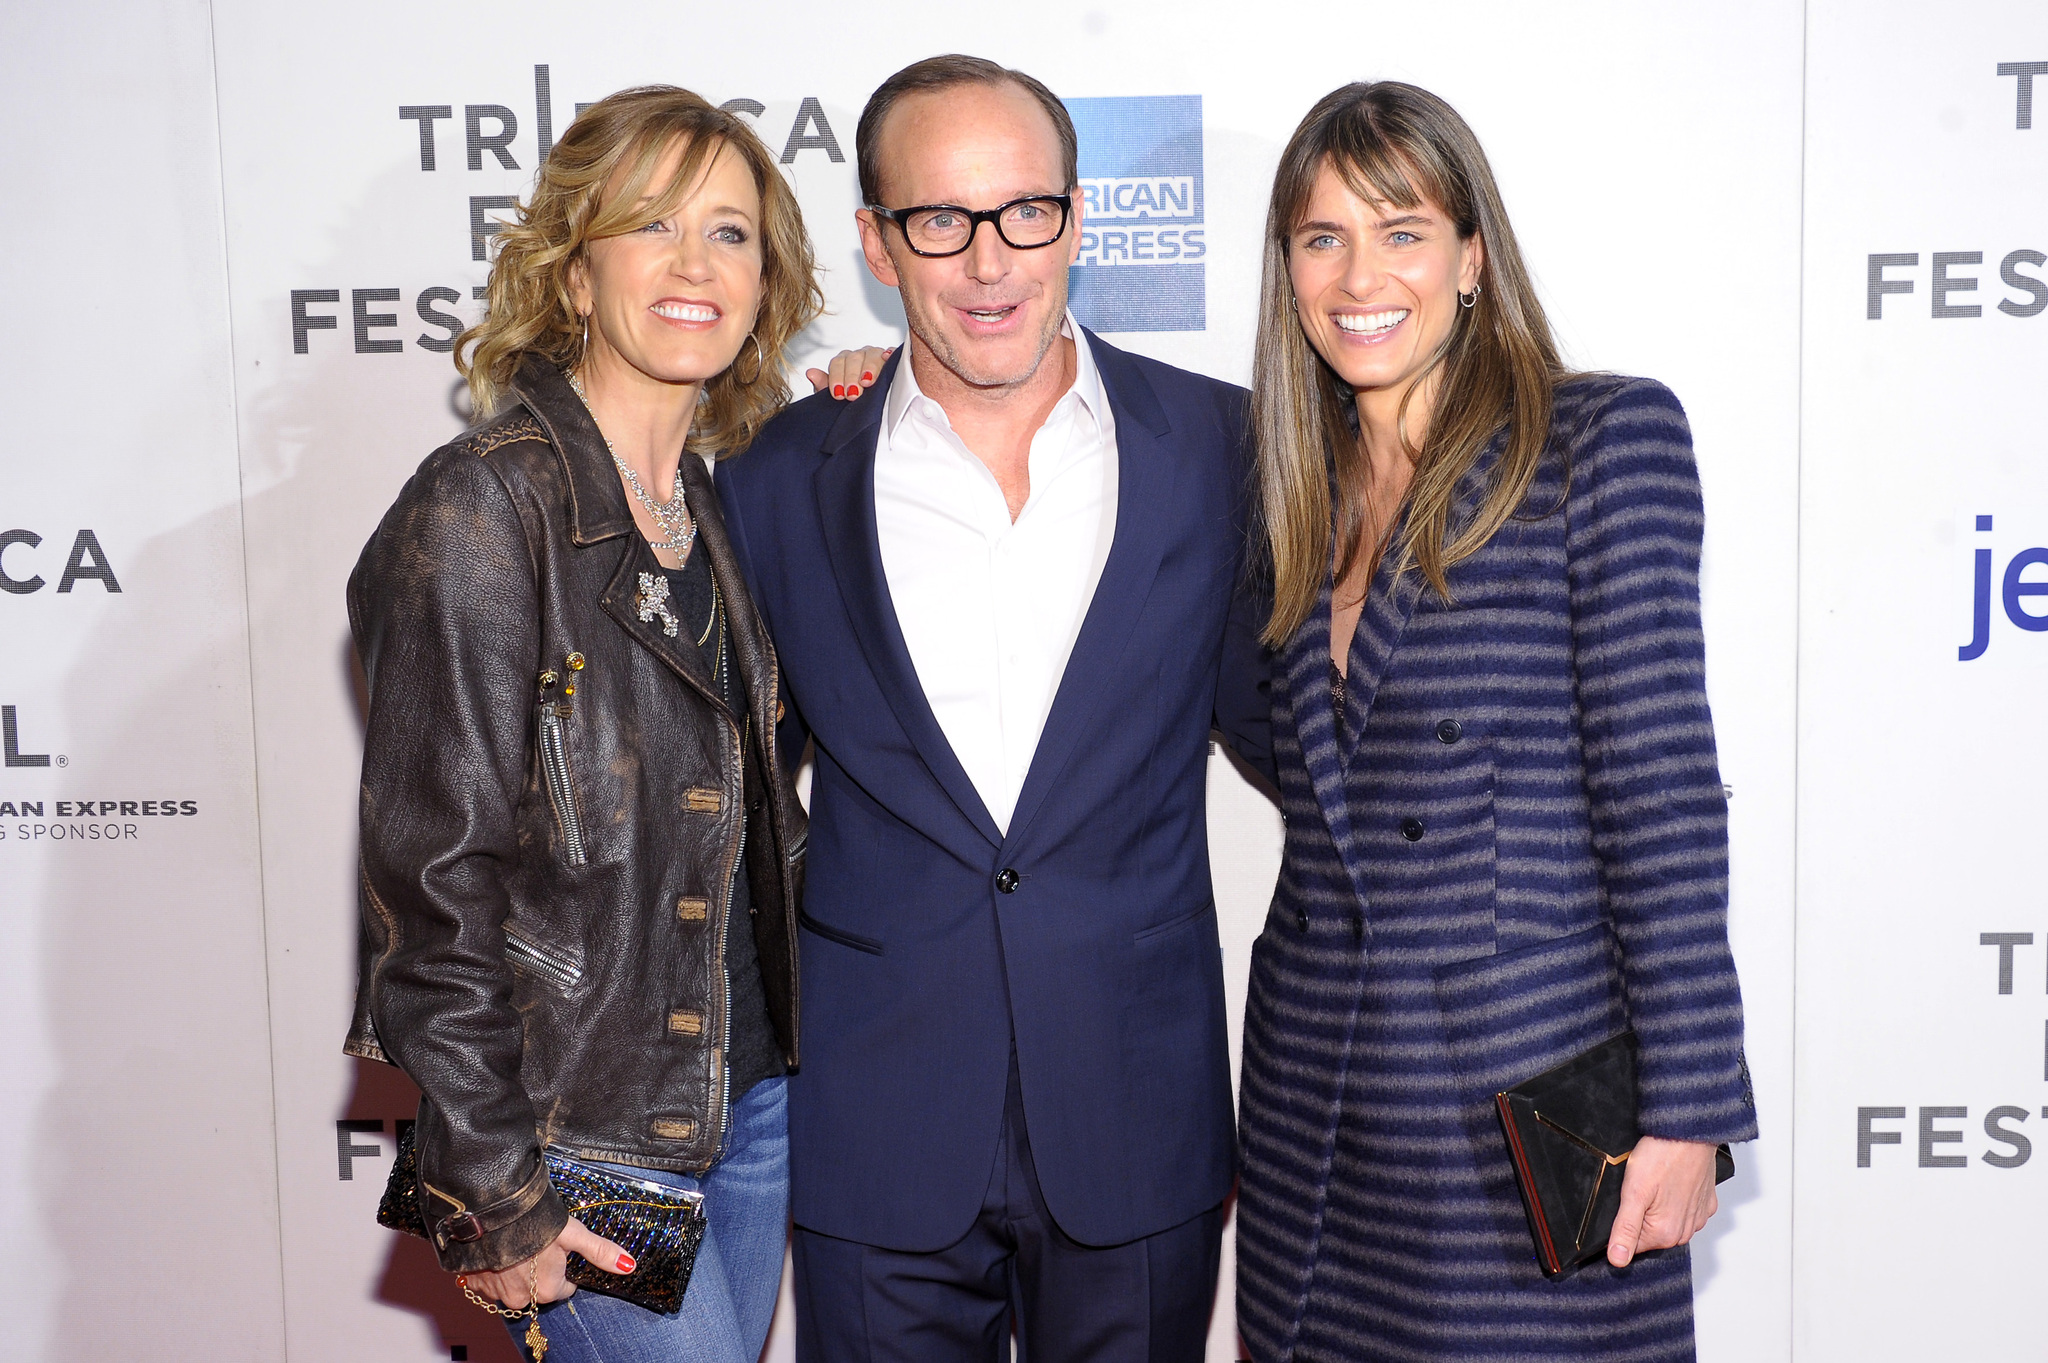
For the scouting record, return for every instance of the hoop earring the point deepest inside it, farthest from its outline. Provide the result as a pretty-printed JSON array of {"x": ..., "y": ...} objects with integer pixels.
[
  {"x": 1468, "y": 300},
  {"x": 586, "y": 339},
  {"x": 760, "y": 359}
]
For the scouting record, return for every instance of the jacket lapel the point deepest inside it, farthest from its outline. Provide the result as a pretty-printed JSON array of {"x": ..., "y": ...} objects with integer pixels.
[
  {"x": 1390, "y": 604},
  {"x": 1303, "y": 665},
  {"x": 844, "y": 486},
  {"x": 1146, "y": 472},
  {"x": 753, "y": 655},
  {"x": 1380, "y": 625},
  {"x": 621, "y": 601},
  {"x": 598, "y": 512},
  {"x": 597, "y": 503}
]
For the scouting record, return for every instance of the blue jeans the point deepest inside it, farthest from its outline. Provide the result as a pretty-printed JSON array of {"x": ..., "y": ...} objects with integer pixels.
[{"x": 731, "y": 1297}]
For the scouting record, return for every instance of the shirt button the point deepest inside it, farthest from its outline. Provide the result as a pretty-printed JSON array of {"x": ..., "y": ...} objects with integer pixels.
[
  {"x": 1411, "y": 829},
  {"x": 1006, "y": 880},
  {"x": 1449, "y": 731}
]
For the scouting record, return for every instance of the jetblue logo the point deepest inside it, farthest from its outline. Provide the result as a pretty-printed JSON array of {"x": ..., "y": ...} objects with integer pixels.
[
  {"x": 1142, "y": 238},
  {"x": 2016, "y": 590}
]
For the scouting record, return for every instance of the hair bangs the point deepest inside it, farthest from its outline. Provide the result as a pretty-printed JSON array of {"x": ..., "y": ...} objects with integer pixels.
[
  {"x": 1374, "y": 171},
  {"x": 634, "y": 203}
]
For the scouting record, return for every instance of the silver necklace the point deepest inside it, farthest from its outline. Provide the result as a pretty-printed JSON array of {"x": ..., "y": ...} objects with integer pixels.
[{"x": 678, "y": 526}]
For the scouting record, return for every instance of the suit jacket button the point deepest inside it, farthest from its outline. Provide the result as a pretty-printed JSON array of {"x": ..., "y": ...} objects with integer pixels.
[
  {"x": 1006, "y": 880},
  {"x": 1411, "y": 829},
  {"x": 1449, "y": 731}
]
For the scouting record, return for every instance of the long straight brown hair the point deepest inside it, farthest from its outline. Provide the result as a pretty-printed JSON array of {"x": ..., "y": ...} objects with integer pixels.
[{"x": 1395, "y": 144}]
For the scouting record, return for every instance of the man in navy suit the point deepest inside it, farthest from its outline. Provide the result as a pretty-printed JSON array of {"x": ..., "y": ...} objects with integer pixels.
[{"x": 1004, "y": 592}]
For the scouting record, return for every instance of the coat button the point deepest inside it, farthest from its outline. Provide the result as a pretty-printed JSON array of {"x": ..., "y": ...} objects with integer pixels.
[
  {"x": 1411, "y": 829},
  {"x": 1449, "y": 731},
  {"x": 1006, "y": 880},
  {"x": 1301, "y": 919},
  {"x": 1358, "y": 927}
]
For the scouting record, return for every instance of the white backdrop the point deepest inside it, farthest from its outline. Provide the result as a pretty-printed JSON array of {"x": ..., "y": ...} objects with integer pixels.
[
  {"x": 1920, "y": 792},
  {"x": 231, "y": 256}
]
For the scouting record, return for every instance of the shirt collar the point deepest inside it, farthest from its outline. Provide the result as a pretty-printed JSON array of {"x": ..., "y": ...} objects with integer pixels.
[{"x": 904, "y": 394}]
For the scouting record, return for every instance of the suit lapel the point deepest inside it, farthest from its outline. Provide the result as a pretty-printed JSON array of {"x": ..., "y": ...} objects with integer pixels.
[
  {"x": 1146, "y": 473},
  {"x": 844, "y": 486}
]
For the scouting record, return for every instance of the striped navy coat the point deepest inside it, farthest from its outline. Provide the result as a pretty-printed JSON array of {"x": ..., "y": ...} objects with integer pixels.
[{"x": 1515, "y": 847}]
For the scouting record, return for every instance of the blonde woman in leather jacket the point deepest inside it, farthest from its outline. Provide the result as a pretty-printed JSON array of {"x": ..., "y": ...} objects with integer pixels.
[{"x": 581, "y": 855}]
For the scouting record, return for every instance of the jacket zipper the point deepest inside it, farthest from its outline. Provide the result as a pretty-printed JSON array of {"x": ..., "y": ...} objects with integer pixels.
[
  {"x": 739, "y": 868},
  {"x": 726, "y": 977},
  {"x": 548, "y": 964},
  {"x": 554, "y": 765}
]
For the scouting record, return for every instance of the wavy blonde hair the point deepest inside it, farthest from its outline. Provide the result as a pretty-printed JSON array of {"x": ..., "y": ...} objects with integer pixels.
[
  {"x": 1398, "y": 144},
  {"x": 530, "y": 310}
]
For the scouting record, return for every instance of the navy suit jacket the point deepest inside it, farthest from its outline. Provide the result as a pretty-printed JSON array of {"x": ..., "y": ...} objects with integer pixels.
[{"x": 1102, "y": 965}]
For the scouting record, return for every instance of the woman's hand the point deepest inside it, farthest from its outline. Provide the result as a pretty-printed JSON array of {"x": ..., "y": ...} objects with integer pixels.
[
  {"x": 1667, "y": 1194},
  {"x": 514, "y": 1287},
  {"x": 852, "y": 371}
]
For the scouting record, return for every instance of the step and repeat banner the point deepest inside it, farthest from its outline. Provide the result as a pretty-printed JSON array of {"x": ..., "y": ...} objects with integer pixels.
[
  {"x": 242, "y": 242},
  {"x": 1922, "y": 1063}
]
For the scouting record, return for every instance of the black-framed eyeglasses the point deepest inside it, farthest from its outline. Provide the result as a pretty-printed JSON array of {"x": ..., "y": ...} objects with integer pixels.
[{"x": 948, "y": 229}]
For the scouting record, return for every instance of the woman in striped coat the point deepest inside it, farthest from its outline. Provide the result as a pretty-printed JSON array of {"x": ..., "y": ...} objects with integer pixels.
[{"x": 1506, "y": 833}]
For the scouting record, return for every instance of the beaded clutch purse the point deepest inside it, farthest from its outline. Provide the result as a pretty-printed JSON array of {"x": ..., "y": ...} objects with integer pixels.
[{"x": 660, "y": 1227}]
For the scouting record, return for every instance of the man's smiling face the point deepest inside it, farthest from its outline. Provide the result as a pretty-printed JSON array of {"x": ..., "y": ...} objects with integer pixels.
[{"x": 989, "y": 314}]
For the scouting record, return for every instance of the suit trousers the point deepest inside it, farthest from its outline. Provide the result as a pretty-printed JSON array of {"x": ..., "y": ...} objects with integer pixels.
[{"x": 1147, "y": 1301}]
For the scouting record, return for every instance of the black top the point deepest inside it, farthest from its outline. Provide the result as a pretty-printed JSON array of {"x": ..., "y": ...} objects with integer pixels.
[{"x": 751, "y": 1054}]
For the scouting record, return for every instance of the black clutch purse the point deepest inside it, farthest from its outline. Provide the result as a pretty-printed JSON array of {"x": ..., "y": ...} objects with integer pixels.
[
  {"x": 1569, "y": 1132},
  {"x": 660, "y": 1227}
]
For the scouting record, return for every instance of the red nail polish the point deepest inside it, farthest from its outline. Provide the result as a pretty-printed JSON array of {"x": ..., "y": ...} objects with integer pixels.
[
  {"x": 625, "y": 1263},
  {"x": 867, "y": 377},
  {"x": 838, "y": 390}
]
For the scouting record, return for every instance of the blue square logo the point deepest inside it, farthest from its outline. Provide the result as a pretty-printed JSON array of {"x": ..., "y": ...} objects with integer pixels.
[{"x": 1142, "y": 239}]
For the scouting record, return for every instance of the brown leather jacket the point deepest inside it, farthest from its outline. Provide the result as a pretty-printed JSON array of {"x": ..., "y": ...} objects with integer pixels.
[{"x": 553, "y": 809}]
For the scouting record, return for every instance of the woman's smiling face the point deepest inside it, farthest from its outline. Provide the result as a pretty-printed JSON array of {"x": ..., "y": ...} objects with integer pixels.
[
  {"x": 1376, "y": 286},
  {"x": 675, "y": 299}
]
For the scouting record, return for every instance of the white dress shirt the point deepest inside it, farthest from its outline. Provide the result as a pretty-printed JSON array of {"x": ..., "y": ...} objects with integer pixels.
[{"x": 989, "y": 608}]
